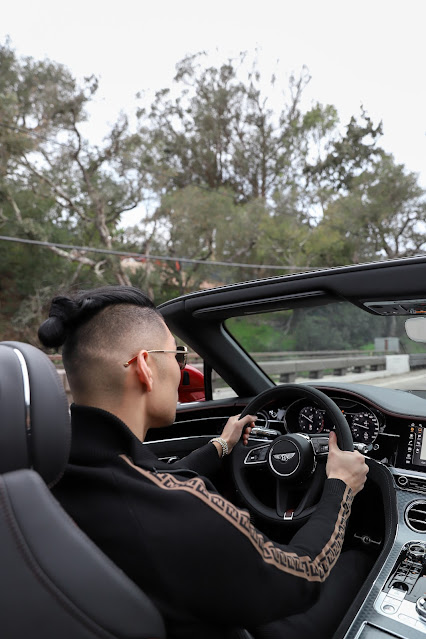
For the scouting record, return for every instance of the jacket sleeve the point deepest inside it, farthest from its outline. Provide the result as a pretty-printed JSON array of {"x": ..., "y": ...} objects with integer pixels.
[
  {"x": 204, "y": 461},
  {"x": 224, "y": 563}
]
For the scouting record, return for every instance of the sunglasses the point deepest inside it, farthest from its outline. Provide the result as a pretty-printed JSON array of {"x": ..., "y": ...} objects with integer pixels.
[{"x": 181, "y": 354}]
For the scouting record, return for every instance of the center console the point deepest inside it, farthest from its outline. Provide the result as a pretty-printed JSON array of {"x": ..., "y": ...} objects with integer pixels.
[{"x": 403, "y": 598}]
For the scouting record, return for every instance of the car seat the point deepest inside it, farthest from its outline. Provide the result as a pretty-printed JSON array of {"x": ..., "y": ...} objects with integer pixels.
[{"x": 56, "y": 582}]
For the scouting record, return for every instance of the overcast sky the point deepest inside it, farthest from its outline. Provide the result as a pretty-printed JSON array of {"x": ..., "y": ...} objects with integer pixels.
[{"x": 369, "y": 52}]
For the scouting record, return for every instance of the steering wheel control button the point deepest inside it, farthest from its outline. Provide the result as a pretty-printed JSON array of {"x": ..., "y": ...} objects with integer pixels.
[
  {"x": 257, "y": 455},
  {"x": 320, "y": 445}
]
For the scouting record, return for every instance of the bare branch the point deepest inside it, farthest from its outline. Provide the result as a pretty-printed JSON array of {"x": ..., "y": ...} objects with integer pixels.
[
  {"x": 14, "y": 206},
  {"x": 56, "y": 189},
  {"x": 76, "y": 256}
]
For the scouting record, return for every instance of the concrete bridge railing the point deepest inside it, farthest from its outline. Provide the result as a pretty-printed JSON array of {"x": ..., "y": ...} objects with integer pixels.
[{"x": 286, "y": 370}]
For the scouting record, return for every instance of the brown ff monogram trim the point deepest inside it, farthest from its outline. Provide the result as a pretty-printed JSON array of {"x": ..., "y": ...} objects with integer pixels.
[{"x": 316, "y": 569}]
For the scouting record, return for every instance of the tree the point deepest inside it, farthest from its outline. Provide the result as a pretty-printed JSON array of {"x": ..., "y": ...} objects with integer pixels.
[
  {"x": 214, "y": 130},
  {"x": 204, "y": 225},
  {"x": 220, "y": 132},
  {"x": 383, "y": 216},
  {"x": 346, "y": 155},
  {"x": 394, "y": 212},
  {"x": 54, "y": 185},
  {"x": 88, "y": 188}
]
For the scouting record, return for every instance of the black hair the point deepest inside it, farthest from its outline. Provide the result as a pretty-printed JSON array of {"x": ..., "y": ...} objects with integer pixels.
[{"x": 67, "y": 313}]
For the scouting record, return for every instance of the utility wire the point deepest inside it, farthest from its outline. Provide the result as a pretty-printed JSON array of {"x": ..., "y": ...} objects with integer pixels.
[{"x": 148, "y": 256}]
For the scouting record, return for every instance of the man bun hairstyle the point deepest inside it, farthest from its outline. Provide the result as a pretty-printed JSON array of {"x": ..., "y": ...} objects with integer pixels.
[
  {"x": 53, "y": 332},
  {"x": 69, "y": 313}
]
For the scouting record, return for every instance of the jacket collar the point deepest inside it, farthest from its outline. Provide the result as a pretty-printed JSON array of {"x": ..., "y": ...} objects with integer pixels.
[{"x": 98, "y": 435}]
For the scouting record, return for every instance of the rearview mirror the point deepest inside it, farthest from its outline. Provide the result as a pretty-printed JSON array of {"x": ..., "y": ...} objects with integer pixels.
[{"x": 415, "y": 327}]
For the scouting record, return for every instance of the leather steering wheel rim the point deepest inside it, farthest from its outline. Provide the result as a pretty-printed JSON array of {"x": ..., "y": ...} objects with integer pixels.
[{"x": 288, "y": 393}]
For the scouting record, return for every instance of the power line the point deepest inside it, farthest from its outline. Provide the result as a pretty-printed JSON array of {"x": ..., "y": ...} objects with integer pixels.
[{"x": 148, "y": 256}]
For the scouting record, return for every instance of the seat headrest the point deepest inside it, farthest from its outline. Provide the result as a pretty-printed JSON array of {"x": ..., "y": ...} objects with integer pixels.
[{"x": 35, "y": 429}]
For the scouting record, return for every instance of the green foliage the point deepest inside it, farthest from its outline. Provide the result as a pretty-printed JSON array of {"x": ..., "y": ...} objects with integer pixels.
[
  {"x": 262, "y": 333},
  {"x": 384, "y": 214},
  {"x": 220, "y": 132},
  {"x": 336, "y": 327},
  {"x": 348, "y": 155},
  {"x": 340, "y": 327}
]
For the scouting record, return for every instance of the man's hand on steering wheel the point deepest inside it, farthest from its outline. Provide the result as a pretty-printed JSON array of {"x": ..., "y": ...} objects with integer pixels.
[
  {"x": 233, "y": 429},
  {"x": 350, "y": 467}
]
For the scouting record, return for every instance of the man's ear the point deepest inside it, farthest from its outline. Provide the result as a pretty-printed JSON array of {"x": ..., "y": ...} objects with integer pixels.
[{"x": 144, "y": 372}]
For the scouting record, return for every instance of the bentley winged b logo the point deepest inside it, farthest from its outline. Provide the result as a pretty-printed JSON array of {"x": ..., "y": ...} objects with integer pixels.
[{"x": 284, "y": 457}]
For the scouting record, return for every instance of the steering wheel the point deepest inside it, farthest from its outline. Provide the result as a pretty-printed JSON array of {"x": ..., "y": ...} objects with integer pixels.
[{"x": 293, "y": 459}]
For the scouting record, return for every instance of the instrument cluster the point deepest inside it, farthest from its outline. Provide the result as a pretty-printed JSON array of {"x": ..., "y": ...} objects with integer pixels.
[{"x": 301, "y": 416}]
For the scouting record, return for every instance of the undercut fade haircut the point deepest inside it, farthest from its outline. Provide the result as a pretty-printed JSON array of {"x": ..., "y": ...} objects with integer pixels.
[{"x": 93, "y": 325}]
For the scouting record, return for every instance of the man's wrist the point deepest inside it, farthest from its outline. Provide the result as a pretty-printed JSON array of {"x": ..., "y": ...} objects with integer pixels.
[{"x": 222, "y": 445}]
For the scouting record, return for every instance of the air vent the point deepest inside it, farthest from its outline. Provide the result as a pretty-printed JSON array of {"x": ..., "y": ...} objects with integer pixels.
[{"x": 415, "y": 516}]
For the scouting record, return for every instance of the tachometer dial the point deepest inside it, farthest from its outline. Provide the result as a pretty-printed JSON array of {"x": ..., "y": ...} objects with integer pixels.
[
  {"x": 365, "y": 427},
  {"x": 311, "y": 420}
]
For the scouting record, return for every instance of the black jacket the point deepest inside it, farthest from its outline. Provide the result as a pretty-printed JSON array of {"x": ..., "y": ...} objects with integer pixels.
[{"x": 193, "y": 552}]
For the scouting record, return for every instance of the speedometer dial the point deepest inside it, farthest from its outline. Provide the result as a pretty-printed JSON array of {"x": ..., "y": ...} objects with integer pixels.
[
  {"x": 365, "y": 427},
  {"x": 311, "y": 420}
]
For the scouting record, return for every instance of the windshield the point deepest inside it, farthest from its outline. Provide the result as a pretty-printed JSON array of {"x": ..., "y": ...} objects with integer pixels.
[{"x": 337, "y": 342}]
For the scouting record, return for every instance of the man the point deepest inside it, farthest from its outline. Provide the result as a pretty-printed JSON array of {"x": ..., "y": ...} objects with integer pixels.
[{"x": 196, "y": 555}]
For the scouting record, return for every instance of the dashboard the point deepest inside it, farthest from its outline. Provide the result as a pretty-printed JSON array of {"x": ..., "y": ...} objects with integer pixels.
[{"x": 396, "y": 439}]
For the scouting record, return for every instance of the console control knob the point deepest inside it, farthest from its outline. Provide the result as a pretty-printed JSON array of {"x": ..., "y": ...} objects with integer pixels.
[
  {"x": 416, "y": 551},
  {"x": 421, "y": 607}
]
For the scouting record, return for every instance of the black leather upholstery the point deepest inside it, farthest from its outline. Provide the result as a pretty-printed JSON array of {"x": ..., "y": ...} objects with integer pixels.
[
  {"x": 55, "y": 581},
  {"x": 38, "y": 433}
]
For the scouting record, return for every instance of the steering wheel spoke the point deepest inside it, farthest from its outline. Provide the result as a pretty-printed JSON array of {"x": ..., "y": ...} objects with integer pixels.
[
  {"x": 282, "y": 502},
  {"x": 293, "y": 502},
  {"x": 314, "y": 488}
]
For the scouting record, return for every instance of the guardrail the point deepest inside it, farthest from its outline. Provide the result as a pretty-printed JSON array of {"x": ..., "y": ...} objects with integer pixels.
[
  {"x": 287, "y": 370},
  {"x": 417, "y": 360}
]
